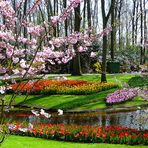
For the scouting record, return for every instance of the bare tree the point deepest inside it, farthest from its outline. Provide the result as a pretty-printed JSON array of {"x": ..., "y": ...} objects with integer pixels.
[
  {"x": 84, "y": 14},
  {"x": 133, "y": 22},
  {"x": 66, "y": 22},
  {"x": 141, "y": 39},
  {"x": 89, "y": 13},
  {"x": 105, "y": 18},
  {"x": 136, "y": 22},
  {"x": 119, "y": 22},
  {"x": 76, "y": 65},
  {"x": 113, "y": 32},
  {"x": 145, "y": 30}
]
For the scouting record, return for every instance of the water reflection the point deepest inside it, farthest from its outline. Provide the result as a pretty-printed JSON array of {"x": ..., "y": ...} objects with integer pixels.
[{"x": 133, "y": 119}]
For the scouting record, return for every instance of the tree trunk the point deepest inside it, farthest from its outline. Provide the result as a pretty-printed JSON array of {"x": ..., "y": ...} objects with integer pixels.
[
  {"x": 104, "y": 52},
  {"x": 136, "y": 23},
  {"x": 84, "y": 14},
  {"x": 76, "y": 64},
  {"x": 55, "y": 13},
  {"x": 105, "y": 19},
  {"x": 127, "y": 26},
  {"x": 49, "y": 9},
  {"x": 24, "y": 28},
  {"x": 133, "y": 22},
  {"x": 119, "y": 19},
  {"x": 141, "y": 40},
  {"x": 113, "y": 32},
  {"x": 66, "y": 22},
  {"x": 145, "y": 32},
  {"x": 88, "y": 14}
]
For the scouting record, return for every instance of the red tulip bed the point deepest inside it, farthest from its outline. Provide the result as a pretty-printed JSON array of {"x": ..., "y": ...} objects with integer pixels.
[
  {"x": 77, "y": 87},
  {"x": 78, "y": 133}
]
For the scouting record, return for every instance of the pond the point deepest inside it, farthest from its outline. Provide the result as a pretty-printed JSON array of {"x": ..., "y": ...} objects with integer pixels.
[{"x": 137, "y": 119}]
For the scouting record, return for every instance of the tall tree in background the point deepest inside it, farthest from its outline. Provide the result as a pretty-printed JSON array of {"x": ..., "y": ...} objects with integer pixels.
[
  {"x": 95, "y": 19},
  {"x": 136, "y": 22},
  {"x": 66, "y": 22},
  {"x": 145, "y": 30},
  {"x": 113, "y": 32},
  {"x": 120, "y": 23},
  {"x": 76, "y": 65},
  {"x": 56, "y": 13},
  {"x": 133, "y": 22},
  {"x": 24, "y": 28},
  {"x": 141, "y": 28},
  {"x": 49, "y": 9},
  {"x": 127, "y": 24},
  {"x": 89, "y": 13},
  {"x": 105, "y": 18},
  {"x": 84, "y": 14}
]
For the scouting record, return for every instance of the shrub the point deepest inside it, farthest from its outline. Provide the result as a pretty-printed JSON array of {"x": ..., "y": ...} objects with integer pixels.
[
  {"x": 97, "y": 67},
  {"x": 138, "y": 81}
]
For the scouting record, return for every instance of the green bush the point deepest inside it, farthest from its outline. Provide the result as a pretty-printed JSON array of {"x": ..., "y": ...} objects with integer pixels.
[{"x": 138, "y": 81}]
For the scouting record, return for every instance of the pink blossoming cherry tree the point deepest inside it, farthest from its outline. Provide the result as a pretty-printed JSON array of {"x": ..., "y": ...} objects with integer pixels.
[{"x": 26, "y": 46}]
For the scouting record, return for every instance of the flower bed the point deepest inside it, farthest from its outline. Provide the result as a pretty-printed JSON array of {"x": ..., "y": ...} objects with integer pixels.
[
  {"x": 143, "y": 93},
  {"x": 61, "y": 87},
  {"x": 78, "y": 90},
  {"x": 38, "y": 86},
  {"x": 77, "y": 133},
  {"x": 121, "y": 96}
]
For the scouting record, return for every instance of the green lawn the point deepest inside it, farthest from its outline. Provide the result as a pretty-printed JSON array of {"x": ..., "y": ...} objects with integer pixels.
[
  {"x": 70, "y": 102},
  {"x": 100, "y": 104},
  {"x": 110, "y": 77},
  {"x": 63, "y": 101},
  {"x": 29, "y": 142},
  {"x": 79, "y": 102}
]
